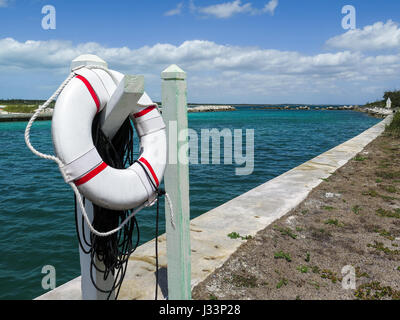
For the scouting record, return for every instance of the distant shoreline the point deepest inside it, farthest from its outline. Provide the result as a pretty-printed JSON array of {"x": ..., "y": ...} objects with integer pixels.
[
  {"x": 210, "y": 108},
  {"x": 13, "y": 117},
  {"x": 375, "y": 112}
]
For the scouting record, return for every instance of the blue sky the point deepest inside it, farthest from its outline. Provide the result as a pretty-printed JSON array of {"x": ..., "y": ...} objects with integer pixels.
[{"x": 272, "y": 51}]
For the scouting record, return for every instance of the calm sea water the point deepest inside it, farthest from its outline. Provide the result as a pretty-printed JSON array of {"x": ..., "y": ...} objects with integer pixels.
[{"x": 37, "y": 225}]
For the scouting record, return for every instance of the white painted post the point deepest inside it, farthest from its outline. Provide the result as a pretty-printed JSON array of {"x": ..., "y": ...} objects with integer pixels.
[
  {"x": 388, "y": 103},
  {"x": 89, "y": 291},
  {"x": 176, "y": 180}
]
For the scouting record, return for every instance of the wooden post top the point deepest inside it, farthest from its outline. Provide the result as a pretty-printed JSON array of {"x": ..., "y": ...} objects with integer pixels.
[{"x": 173, "y": 72}]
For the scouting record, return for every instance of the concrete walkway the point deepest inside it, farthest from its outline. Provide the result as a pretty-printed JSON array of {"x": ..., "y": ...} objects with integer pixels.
[{"x": 246, "y": 214}]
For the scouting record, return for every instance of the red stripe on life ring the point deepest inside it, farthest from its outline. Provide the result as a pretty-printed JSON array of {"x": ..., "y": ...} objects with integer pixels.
[
  {"x": 144, "y": 111},
  {"x": 148, "y": 165},
  {"x": 91, "y": 91},
  {"x": 91, "y": 174}
]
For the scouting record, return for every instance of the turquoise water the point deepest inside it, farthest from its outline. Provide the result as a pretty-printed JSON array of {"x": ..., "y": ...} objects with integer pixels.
[{"x": 36, "y": 213}]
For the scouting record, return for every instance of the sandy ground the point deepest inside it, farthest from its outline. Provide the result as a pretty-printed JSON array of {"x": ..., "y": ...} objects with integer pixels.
[{"x": 350, "y": 223}]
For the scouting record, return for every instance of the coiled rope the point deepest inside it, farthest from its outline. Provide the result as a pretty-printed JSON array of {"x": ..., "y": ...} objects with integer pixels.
[{"x": 110, "y": 255}]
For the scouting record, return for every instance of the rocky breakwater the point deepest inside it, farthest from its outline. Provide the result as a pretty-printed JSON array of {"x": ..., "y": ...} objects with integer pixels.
[
  {"x": 377, "y": 112},
  {"x": 334, "y": 108},
  {"x": 210, "y": 108}
]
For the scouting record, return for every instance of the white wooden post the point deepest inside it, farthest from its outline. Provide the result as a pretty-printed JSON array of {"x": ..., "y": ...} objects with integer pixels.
[
  {"x": 89, "y": 291},
  {"x": 176, "y": 180}
]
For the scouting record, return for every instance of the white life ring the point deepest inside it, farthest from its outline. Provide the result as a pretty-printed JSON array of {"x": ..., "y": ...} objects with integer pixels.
[{"x": 117, "y": 189}]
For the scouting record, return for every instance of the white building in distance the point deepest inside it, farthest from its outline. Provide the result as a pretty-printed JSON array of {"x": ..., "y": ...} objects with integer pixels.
[{"x": 388, "y": 103}]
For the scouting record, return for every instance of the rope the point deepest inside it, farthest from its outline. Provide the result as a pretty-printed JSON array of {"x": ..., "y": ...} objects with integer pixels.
[
  {"x": 171, "y": 209},
  {"x": 61, "y": 164},
  {"x": 109, "y": 255}
]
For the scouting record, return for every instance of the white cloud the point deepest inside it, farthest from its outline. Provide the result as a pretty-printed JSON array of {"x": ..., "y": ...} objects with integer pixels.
[
  {"x": 379, "y": 36},
  {"x": 195, "y": 55},
  {"x": 225, "y": 10},
  {"x": 271, "y": 6},
  {"x": 216, "y": 72},
  {"x": 229, "y": 9},
  {"x": 176, "y": 11},
  {"x": 3, "y": 3}
]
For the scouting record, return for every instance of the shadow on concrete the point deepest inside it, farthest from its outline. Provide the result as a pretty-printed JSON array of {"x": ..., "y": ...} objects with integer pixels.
[{"x": 163, "y": 281}]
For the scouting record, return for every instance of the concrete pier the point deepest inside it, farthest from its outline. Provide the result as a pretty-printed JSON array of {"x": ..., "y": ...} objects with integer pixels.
[{"x": 246, "y": 214}]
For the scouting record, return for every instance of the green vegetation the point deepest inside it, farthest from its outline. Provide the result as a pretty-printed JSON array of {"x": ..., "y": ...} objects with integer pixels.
[
  {"x": 373, "y": 193},
  {"x": 388, "y": 175},
  {"x": 315, "y": 284},
  {"x": 379, "y": 247},
  {"x": 307, "y": 259},
  {"x": 384, "y": 164},
  {"x": 390, "y": 189},
  {"x": 393, "y": 128},
  {"x": 286, "y": 232},
  {"x": 235, "y": 235},
  {"x": 329, "y": 208},
  {"x": 360, "y": 274},
  {"x": 20, "y": 109},
  {"x": 375, "y": 291},
  {"x": 359, "y": 158},
  {"x": 388, "y": 213},
  {"x": 394, "y": 97},
  {"x": 22, "y": 105},
  {"x": 385, "y": 234},
  {"x": 302, "y": 269},
  {"x": 376, "y": 104},
  {"x": 13, "y": 102},
  {"x": 282, "y": 282},
  {"x": 328, "y": 274},
  {"x": 315, "y": 269},
  {"x": 282, "y": 255},
  {"x": 356, "y": 209},
  {"x": 370, "y": 192},
  {"x": 334, "y": 222}
]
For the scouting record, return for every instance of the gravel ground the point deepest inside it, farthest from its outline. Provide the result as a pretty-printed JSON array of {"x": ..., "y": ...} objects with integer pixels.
[{"x": 346, "y": 233}]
